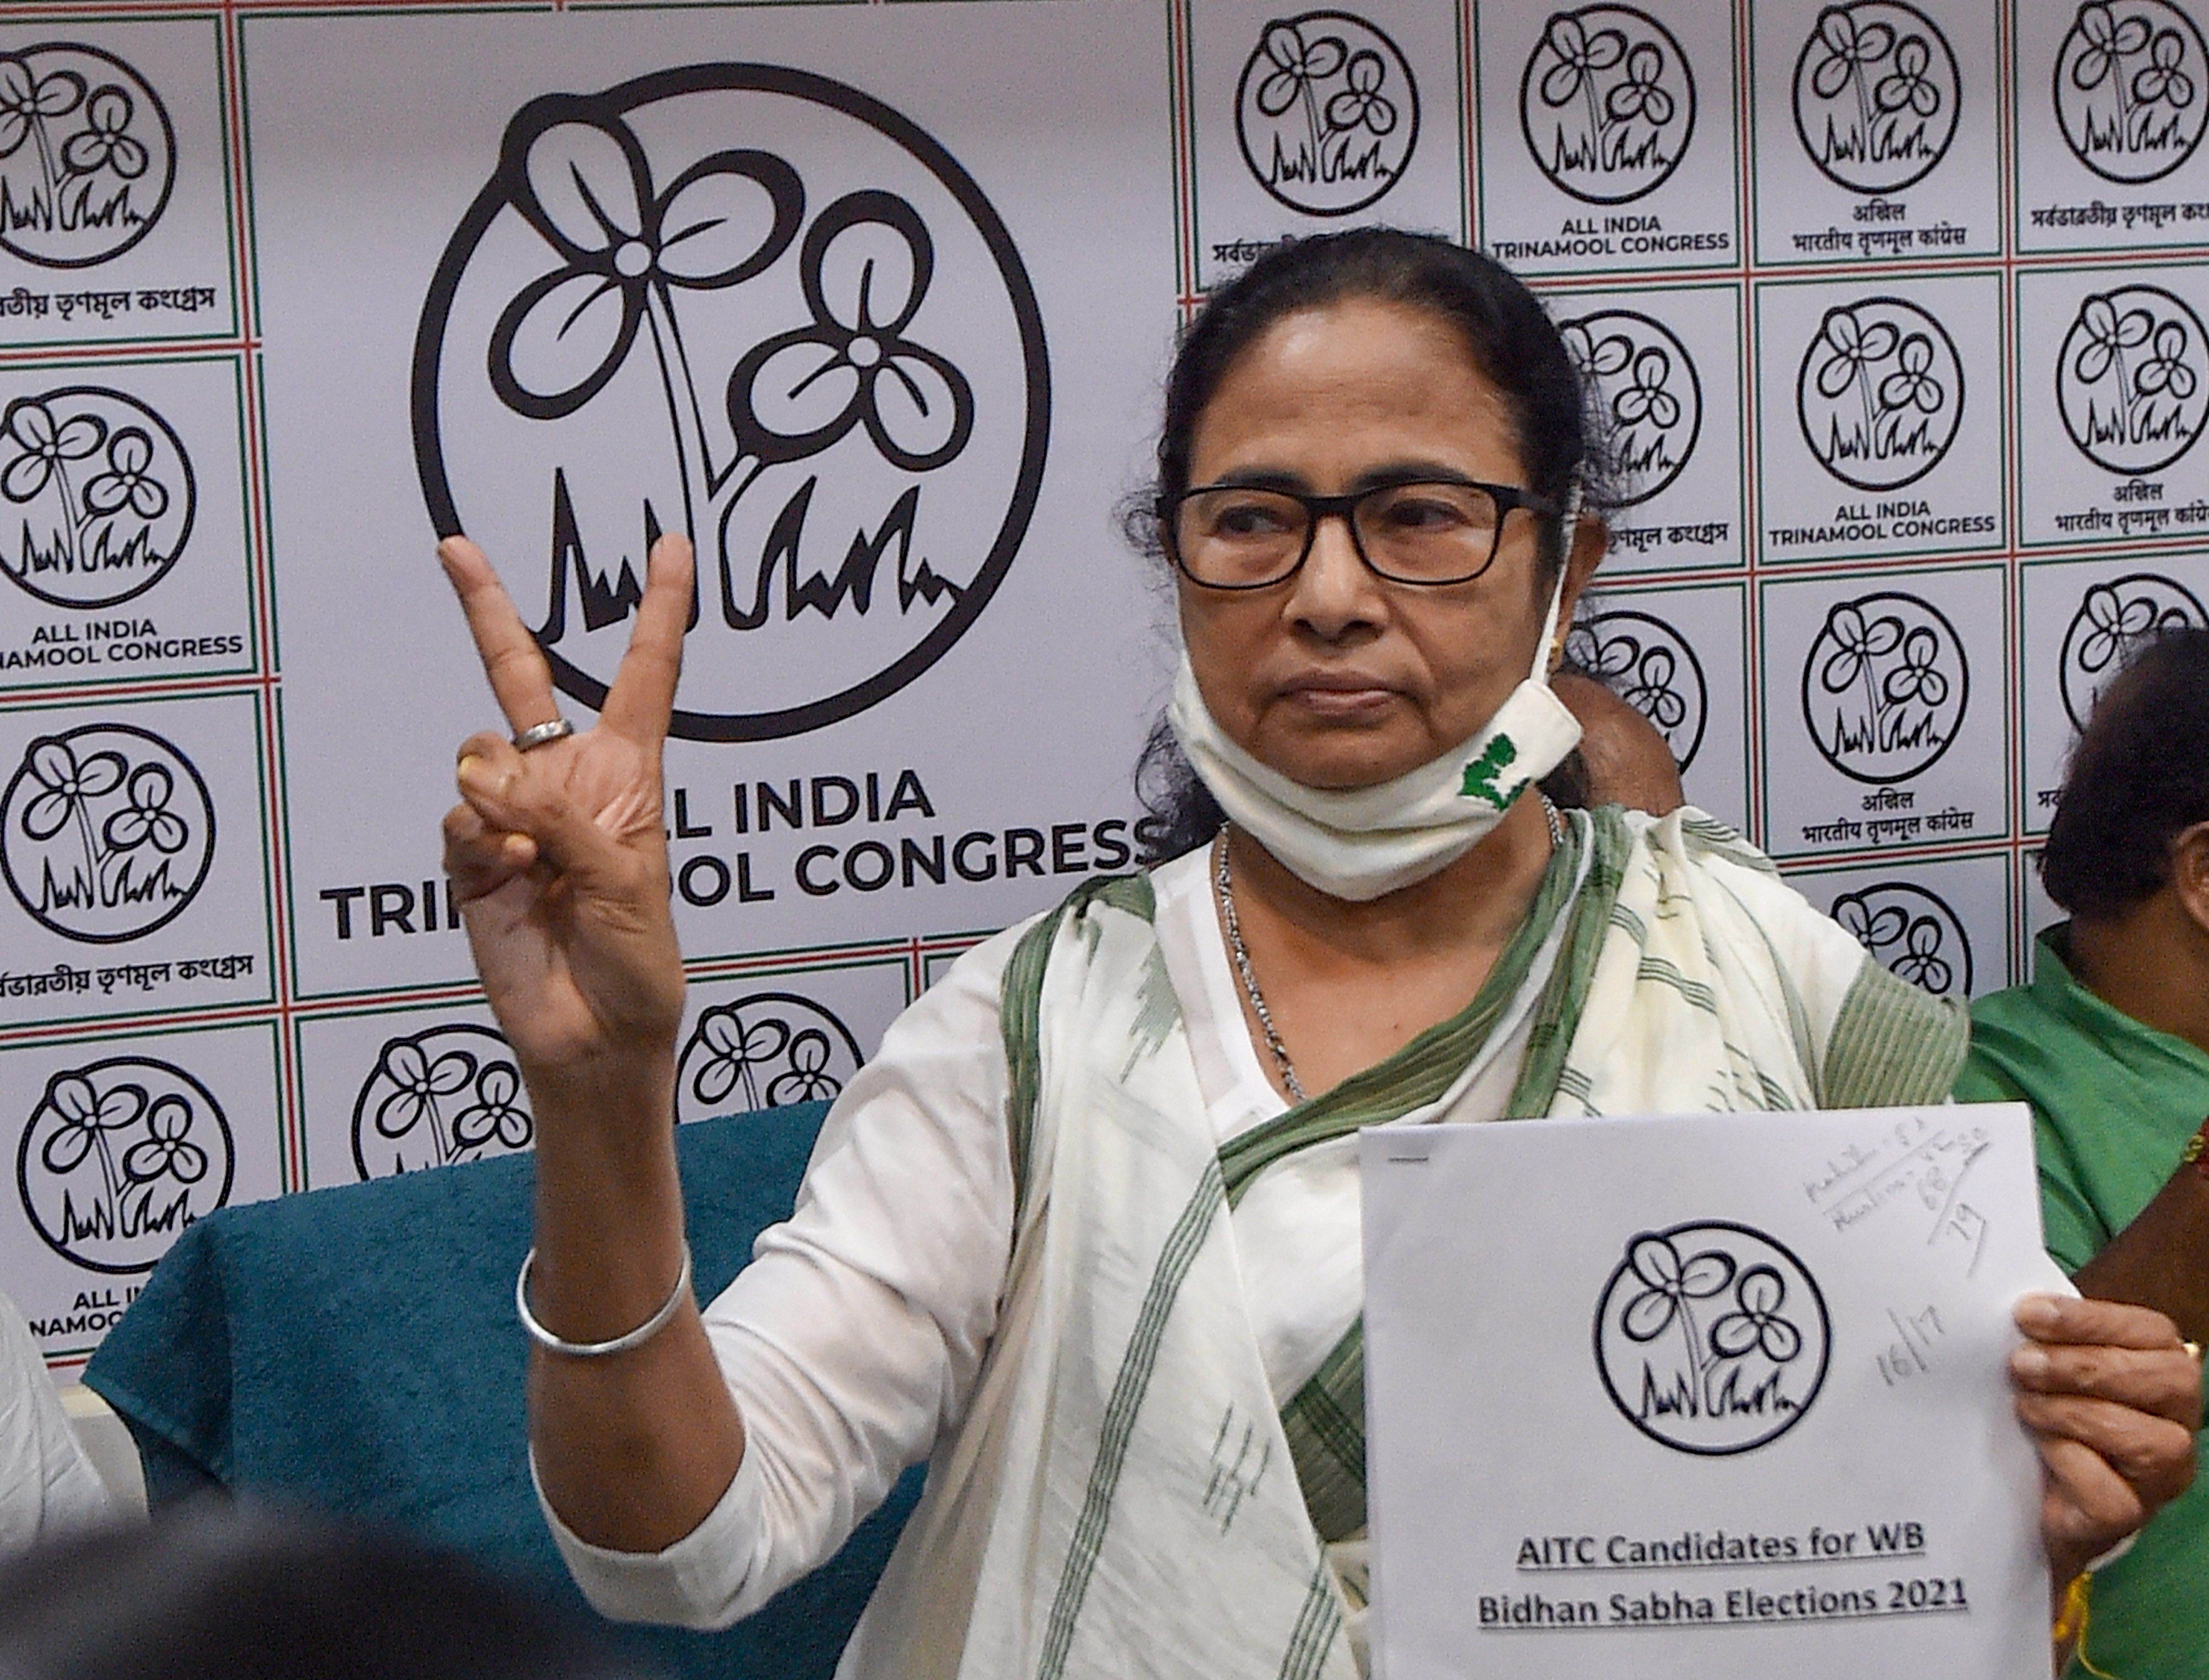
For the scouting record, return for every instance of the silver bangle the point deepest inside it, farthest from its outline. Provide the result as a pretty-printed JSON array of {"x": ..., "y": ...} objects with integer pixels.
[{"x": 597, "y": 1350}]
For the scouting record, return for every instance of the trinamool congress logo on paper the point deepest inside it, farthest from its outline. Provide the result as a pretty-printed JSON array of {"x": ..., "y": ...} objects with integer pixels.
[
  {"x": 96, "y": 495},
  {"x": 1876, "y": 95},
  {"x": 761, "y": 1051},
  {"x": 1880, "y": 393},
  {"x": 1327, "y": 111},
  {"x": 2131, "y": 88},
  {"x": 756, "y": 305},
  {"x": 2132, "y": 379},
  {"x": 446, "y": 1094},
  {"x": 88, "y": 155},
  {"x": 1650, "y": 666},
  {"x": 118, "y": 1157},
  {"x": 2114, "y": 619},
  {"x": 1712, "y": 1338},
  {"x": 1646, "y": 380},
  {"x": 1913, "y": 932},
  {"x": 106, "y": 833},
  {"x": 1885, "y": 687},
  {"x": 1607, "y": 104}
]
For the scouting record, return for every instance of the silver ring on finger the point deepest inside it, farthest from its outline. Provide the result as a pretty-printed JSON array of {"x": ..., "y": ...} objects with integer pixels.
[{"x": 537, "y": 734}]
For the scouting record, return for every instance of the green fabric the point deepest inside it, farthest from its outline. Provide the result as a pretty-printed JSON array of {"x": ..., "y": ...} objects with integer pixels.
[
  {"x": 1893, "y": 1043},
  {"x": 2113, "y": 1103}
]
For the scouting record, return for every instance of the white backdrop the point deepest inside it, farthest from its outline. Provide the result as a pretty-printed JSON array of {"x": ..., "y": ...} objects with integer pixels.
[{"x": 1894, "y": 307}]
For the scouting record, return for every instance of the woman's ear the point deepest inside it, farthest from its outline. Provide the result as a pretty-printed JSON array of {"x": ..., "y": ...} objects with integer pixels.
[
  {"x": 2189, "y": 873},
  {"x": 1590, "y": 541}
]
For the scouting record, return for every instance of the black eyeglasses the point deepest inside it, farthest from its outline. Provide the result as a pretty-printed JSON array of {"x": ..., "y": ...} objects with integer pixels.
[{"x": 1427, "y": 531}]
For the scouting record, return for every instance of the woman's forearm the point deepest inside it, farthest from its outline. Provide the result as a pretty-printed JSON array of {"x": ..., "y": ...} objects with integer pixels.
[{"x": 632, "y": 1449}]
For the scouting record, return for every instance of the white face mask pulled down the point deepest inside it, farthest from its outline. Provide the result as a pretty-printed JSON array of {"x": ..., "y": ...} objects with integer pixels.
[{"x": 1359, "y": 843}]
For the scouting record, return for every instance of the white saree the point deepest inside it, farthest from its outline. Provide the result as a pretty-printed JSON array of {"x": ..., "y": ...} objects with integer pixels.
[{"x": 1124, "y": 1493}]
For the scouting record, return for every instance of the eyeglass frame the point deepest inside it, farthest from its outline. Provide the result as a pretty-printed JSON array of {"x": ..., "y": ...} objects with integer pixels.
[{"x": 1345, "y": 507}]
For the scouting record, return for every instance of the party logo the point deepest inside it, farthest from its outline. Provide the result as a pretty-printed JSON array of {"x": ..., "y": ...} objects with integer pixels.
[
  {"x": 446, "y": 1094},
  {"x": 1876, "y": 95},
  {"x": 1913, "y": 932},
  {"x": 86, "y": 155},
  {"x": 1712, "y": 1338},
  {"x": 1646, "y": 382},
  {"x": 760, "y": 307},
  {"x": 96, "y": 495},
  {"x": 2131, "y": 88},
  {"x": 1879, "y": 395},
  {"x": 2112, "y": 621},
  {"x": 761, "y": 1051},
  {"x": 1607, "y": 104},
  {"x": 1885, "y": 687},
  {"x": 2133, "y": 379},
  {"x": 1648, "y": 665},
  {"x": 118, "y": 1157},
  {"x": 106, "y": 833},
  {"x": 1327, "y": 113}
]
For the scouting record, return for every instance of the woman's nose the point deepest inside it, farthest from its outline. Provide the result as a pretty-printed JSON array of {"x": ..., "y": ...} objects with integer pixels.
[{"x": 1335, "y": 589}]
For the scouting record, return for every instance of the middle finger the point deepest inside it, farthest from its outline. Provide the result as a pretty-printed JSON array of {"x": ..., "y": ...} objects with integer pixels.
[{"x": 2163, "y": 1381}]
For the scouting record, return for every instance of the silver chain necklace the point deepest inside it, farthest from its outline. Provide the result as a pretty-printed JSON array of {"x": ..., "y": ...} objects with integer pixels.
[{"x": 1225, "y": 883}]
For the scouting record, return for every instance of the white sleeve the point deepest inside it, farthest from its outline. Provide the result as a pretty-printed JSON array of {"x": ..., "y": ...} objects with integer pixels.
[
  {"x": 47, "y": 1485},
  {"x": 854, "y": 1337}
]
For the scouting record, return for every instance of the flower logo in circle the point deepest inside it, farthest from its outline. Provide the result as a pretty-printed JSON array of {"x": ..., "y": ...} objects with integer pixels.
[
  {"x": 2132, "y": 378},
  {"x": 1724, "y": 1385},
  {"x": 2113, "y": 619},
  {"x": 1879, "y": 395},
  {"x": 843, "y": 399},
  {"x": 795, "y": 395},
  {"x": 2127, "y": 85},
  {"x": 97, "y": 495},
  {"x": 1646, "y": 384},
  {"x": 1913, "y": 932},
  {"x": 106, "y": 833},
  {"x": 1650, "y": 666},
  {"x": 1606, "y": 103},
  {"x": 441, "y": 1096},
  {"x": 119, "y": 1156},
  {"x": 1327, "y": 112},
  {"x": 1877, "y": 94},
  {"x": 1885, "y": 686},
  {"x": 761, "y": 1050},
  {"x": 87, "y": 157}
]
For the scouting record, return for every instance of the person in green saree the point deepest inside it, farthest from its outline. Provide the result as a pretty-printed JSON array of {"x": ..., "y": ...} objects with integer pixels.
[
  {"x": 1085, "y": 1234},
  {"x": 2110, "y": 1045}
]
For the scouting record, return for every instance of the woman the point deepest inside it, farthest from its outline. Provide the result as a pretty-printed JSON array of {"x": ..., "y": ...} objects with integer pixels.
[{"x": 1078, "y": 1224}]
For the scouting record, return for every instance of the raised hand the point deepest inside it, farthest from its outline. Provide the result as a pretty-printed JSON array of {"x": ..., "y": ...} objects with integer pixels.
[{"x": 557, "y": 855}]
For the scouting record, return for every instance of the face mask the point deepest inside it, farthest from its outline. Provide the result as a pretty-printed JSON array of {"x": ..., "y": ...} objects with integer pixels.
[{"x": 1360, "y": 843}]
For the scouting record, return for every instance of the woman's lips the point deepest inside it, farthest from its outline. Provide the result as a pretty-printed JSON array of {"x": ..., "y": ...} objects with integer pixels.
[{"x": 1343, "y": 696}]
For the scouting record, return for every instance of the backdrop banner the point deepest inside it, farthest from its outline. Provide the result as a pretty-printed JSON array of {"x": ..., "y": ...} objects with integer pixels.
[{"x": 1895, "y": 310}]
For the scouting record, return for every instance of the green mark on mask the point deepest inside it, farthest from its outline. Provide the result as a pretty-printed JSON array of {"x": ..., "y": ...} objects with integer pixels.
[{"x": 1480, "y": 776}]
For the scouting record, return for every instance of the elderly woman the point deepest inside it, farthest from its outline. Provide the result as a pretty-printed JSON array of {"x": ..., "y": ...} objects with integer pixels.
[{"x": 1095, "y": 1201}]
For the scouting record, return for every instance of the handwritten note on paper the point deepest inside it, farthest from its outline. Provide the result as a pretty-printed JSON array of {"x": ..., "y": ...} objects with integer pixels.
[{"x": 1714, "y": 1395}]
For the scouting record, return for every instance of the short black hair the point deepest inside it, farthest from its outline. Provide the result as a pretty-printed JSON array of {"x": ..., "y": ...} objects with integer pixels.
[
  {"x": 212, "y": 1591},
  {"x": 2139, "y": 778}
]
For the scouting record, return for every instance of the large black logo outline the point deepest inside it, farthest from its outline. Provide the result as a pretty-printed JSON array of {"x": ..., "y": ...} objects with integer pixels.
[
  {"x": 1641, "y": 92},
  {"x": 2104, "y": 61},
  {"x": 1915, "y": 679},
  {"x": 108, "y": 140},
  {"x": 149, "y": 827},
  {"x": 1642, "y": 398},
  {"x": 1846, "y": 45},
  {"x": 134, "y": 481},
  {"x": 434, "y": 1071},
  {"x": 769, "y": 1061},
  {"x": 1367, "y": 103},
  {"x": 1882, "y": 926},
  {"x": 1849, "y": 343},
  {"x": 169, "y": 1145},
  {"x": 1761, "y": 1292},
  {"x": 615, "y": 102}
]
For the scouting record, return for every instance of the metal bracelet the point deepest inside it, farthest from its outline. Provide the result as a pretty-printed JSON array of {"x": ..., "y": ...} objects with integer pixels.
[{"x": 597, "y": 1350}]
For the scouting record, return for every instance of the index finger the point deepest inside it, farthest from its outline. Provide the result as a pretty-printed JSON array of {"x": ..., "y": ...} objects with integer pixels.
[
  {"x": 643, "y": 693},
  {"x": 520, "y": 681},
  {"x": 2077, "y": 1322}
]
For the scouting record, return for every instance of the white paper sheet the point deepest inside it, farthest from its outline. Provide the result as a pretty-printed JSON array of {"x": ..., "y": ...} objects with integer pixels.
[{"x": 1714, "y": 1395}]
